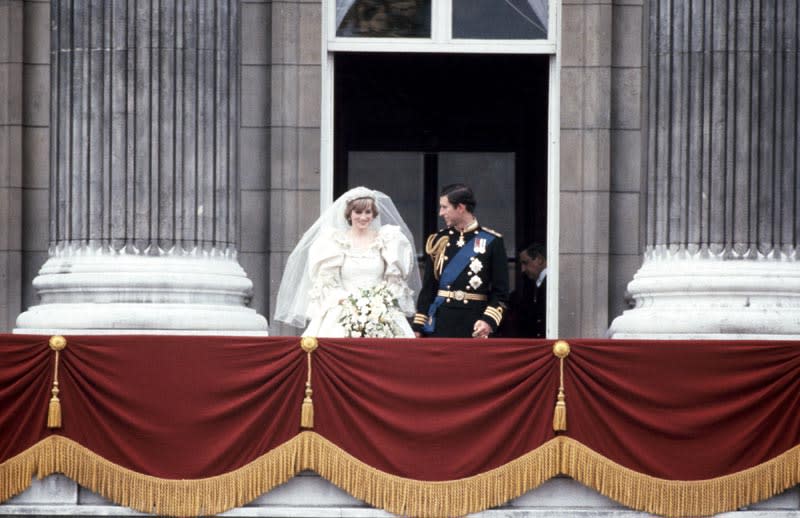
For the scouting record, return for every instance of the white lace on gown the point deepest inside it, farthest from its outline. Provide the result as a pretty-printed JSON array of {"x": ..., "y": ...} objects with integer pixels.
[{"x": 337, "y": 269}]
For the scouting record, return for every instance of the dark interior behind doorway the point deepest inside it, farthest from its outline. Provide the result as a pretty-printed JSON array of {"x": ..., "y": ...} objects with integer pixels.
[{"x": 444, "y": 109}]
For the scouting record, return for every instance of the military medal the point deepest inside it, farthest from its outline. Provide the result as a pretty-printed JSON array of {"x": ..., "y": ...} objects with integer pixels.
[
  {"x": 475, "y": 265},
  {"x": 480, "y": 245},
  {"x": 475, "y": 282},
  {"x": 460, "y": 241}
]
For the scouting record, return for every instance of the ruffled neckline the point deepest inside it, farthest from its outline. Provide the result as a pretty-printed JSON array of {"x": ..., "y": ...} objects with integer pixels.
[{"x": 343, "y": 240}]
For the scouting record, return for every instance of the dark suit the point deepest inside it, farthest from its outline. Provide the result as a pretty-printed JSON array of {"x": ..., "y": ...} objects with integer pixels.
[
  {"x": 479, "y": 292},
  {"x": 527, "y": 311}
]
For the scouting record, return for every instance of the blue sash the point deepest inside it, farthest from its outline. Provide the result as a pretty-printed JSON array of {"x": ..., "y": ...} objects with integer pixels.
[{"x": 453, "y": 269}]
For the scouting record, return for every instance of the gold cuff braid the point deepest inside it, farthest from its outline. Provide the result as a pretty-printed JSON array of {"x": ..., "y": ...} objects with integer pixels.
[{"x": 495, "y": 314}]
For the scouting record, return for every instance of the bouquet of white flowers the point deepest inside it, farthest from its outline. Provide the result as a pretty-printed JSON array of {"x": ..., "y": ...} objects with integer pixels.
[{"x": 371, "y": 313}]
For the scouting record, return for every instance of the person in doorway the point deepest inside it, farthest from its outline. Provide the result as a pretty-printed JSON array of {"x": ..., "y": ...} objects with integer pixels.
[
  {"x": 528, "y": 303},
  {"x": 465, "y": 283}
]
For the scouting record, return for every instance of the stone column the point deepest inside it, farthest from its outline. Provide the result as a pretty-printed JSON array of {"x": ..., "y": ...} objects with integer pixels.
[
  {"x": 144, "y": 171},
  {"x": 723, "y": 199}
]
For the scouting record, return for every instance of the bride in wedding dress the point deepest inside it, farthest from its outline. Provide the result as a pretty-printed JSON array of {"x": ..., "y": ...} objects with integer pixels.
[{"x": 359, "y": 243}]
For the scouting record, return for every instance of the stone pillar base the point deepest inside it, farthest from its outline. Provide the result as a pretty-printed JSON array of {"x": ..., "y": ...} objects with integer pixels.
[
  {"x": 713, "y": 298},
  {"x": 107, "y": 292}
]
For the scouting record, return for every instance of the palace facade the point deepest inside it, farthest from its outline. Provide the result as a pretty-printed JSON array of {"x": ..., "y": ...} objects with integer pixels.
[{"x": 159, "y": 161}]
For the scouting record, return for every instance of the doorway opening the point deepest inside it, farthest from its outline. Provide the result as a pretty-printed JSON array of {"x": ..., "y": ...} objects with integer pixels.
[{"x": 409, "y": 123}]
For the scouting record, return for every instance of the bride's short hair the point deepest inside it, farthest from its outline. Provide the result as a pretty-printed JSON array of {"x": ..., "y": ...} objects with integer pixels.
[{"x": 360, "y": 204}]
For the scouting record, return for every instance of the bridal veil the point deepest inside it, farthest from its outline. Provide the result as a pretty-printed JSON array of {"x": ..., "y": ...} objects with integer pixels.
[{"x": 293, "y": 296}]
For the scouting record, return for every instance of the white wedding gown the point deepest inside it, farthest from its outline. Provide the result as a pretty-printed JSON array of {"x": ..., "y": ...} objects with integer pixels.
[{"x": 337, "y": 269}]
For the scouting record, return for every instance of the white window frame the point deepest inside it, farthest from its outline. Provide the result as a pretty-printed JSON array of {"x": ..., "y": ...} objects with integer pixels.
[{"x": 441, "y": 41}]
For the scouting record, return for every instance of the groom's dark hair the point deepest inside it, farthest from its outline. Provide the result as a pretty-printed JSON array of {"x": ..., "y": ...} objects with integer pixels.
[{"x": 459, "y": 193}]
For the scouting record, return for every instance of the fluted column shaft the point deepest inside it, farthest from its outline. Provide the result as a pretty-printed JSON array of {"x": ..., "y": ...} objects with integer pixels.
[
  {"x": 724, "y": 117},
  {"x": 144, "y": 180},
  {"x": 723, "y": 199},
  {"x": 145, "y": 124}
]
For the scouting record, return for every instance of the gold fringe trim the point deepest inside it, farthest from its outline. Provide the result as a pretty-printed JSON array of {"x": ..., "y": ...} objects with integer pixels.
[
  {"x": 197, "y": 497},
  {"x": 398, "y": 495},
  {"x": 409, "y": 497},
  {"x": 308, "y": 450},
  {"x": 679, "y": 497}
]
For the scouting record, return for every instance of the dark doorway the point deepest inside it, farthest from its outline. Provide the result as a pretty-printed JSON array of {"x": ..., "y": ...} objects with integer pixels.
[{"x": 406, "y": 124}]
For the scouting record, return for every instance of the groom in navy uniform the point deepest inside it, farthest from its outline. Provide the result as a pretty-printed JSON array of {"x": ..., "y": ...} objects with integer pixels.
[{"x": 465, "y": 285}]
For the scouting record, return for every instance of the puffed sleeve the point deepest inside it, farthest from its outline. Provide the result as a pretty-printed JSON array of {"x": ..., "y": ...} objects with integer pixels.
[
  {"x": 398, "y": 255},
  {"x": 325, "y": 259}
]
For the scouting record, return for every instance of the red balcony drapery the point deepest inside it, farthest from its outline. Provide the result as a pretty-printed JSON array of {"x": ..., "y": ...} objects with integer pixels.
[{"x": 419, "y": 427}]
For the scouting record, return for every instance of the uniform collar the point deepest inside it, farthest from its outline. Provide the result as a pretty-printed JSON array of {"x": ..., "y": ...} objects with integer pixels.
[{"x": 472, "y": 226}]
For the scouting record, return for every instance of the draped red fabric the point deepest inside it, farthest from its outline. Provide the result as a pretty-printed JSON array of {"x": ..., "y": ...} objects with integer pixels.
[
  {"x": 26, "y": 371},
  {"x": 433, "y": 409},
  {"x": 684, "y": 410},
  {"x": 167, "y": 406}
]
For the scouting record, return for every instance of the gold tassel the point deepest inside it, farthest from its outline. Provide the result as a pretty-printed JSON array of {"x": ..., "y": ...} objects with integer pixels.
[
  {"x": 54, "y": 410},
  {"x": 561, "y": 350},
  {"x": 307, "y": 411},
  {"x": 308, "y": 344},
  {"x": 560, "y": 416},
  {"x": 57, "y": 343}
]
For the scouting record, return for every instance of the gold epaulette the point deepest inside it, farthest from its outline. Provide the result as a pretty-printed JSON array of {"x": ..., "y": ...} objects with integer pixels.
[
  {"x": 436, "y": 251},
  {"x": 432, "y": 245},
  {"x": 429, "y": 244},
  {"x": 492, "y": 231}
]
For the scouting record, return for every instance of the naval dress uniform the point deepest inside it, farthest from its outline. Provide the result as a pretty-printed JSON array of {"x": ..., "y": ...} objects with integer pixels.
[{"x": 465, "y": 279}]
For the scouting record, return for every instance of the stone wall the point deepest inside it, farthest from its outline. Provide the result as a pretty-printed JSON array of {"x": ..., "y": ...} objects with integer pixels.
[
  {"x": 254, "y": 147},
  {"x": 628, "y": 135},
  {"x": 601, "y": 161},
  {"x": 292, "y": 191},
  {"x": 11, "y": 35},
  {"x": 279, "y": 139},
  {"x": 24, "y": 156}
]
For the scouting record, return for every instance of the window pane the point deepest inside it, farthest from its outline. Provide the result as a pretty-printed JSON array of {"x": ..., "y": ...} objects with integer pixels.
[
  {"x": 500, "y": 19},
  {"x": 384, "y": 18},
  {"x": 491, "y": 177}
]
